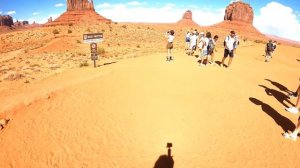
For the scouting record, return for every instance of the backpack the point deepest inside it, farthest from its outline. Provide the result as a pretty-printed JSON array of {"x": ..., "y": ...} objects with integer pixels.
[
  {"x": 211, "y": 45},
  {"x": 269, "y": 47}
]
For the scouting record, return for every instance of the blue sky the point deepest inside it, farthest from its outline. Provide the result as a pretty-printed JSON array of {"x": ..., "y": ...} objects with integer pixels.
[{"x": 266, "y": 12}]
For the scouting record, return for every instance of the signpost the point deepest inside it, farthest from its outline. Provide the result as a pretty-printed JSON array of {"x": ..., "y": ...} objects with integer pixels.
[{"x": 93, "y": 39}]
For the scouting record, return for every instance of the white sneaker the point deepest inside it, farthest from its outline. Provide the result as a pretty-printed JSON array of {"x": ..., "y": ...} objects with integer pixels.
[
  {"x": 201, "y": 64},
  {"x": 290, "y": 136},
  {"x": 293, "y": 110}
]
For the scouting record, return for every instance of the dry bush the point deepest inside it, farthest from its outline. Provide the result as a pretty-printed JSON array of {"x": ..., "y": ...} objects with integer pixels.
[
  {"x": 55, "y": 31},
  {"x": 69, "y": 31},
  {"x": 84, "y": 64}
]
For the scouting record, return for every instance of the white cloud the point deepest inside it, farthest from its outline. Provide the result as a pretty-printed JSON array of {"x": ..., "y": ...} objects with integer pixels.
[
  {"x": 59, "y": 5},
  {"x": 11, "y": 12},
  {"x": 35, "y": 13},
  {"x": 277, "y": 19},
  {"x": 0, "y": 12},
  {"x": 168, "y": 13},
  {"x": 136, "y": 3}
]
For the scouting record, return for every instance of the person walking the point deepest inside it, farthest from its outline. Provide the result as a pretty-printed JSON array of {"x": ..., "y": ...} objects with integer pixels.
[
  {"x": 206, "y": 43},
  {"x": 229, "y": 48},
  {"x": 269, "y": 50},
  {"x": 212, "y": 49}
]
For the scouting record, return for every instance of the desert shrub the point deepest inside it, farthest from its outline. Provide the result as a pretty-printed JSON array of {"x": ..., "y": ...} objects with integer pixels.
[
  {"x": 258, "y": 41},
  {"x": 70, "y": 24},
  {"x": 138, "y": 46},
  {"x": 69, "y": 31},
  {"x": 103, "y": 30},
  {"x": 101, "y": 51},
  {"x": 245, "y": 39},
  {"x": 78, "y": 41},
  {"x": 55, "y": 31},
  {"x": 124, "y": 26},
  {"x": 26, "y": 51},
  {"x": 84, "y": 64},
  {"x": 88, "y": 30},
  {"x": 116, "y": 23}
]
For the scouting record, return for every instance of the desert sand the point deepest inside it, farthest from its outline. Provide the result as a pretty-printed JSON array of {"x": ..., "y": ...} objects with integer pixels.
[{"x": 65, "y": 113}]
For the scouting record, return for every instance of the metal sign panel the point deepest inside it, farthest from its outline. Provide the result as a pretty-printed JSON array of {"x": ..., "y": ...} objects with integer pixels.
[{"x": 93, "y": 38}]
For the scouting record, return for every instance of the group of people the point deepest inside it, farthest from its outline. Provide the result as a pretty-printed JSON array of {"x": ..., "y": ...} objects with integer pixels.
[
  {"x": 270, "y": 48},
  {"x": 205, "y": 43}
]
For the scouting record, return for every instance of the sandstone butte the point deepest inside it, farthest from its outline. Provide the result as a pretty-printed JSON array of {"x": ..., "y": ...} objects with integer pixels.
[
  {"x": 6, "y": 20},
  {"x": 187, "y": 19},
  {"x": 78, "y": 11},
  {"x": 239, "y": 17}
]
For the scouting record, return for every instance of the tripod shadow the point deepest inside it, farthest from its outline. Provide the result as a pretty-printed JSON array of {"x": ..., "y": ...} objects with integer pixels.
[
  {"x": 283, "y": 122},
  {"x": 279, "y": 86},
  {"x": 281, "y": 97},
  {"x": 164, "y": 161}
]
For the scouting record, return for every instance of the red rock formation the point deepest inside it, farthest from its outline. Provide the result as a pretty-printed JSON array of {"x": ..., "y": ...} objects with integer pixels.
[
  {"x": 79, "y": 11},
  {"x": 239, "y": 11},
  {"x": 80, "y": 5},
  {"x": 6, "y": 21},
  {"x": 187, "y": 19}
]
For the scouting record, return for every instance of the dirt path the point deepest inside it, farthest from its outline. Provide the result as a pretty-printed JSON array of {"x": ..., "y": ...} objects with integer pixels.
[{"x": 123, "y": 114}]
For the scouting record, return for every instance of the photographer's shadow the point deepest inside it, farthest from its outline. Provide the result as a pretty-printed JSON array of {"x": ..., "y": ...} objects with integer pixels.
[{"x": 164, "y": 161}]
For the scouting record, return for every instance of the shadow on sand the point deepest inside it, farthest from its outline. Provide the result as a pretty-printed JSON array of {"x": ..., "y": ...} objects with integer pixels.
[
  {"x": 164, "y": 161},
  {"x": 279, "y": 86},
  {"x": 281, "y": 97},
  {"x": 283, "y": 122}
]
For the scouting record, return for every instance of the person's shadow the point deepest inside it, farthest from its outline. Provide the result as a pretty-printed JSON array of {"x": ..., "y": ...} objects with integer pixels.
[
  {"x": 283, "y": 122},
  {"x": 281, "y": 97},
  {"x": 164, "y": 161},
  {"x": 279, "y": 86}
]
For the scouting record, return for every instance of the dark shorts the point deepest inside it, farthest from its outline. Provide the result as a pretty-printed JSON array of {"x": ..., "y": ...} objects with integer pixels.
[
  {"x": 268, "y": 53},
  {"x": 187, "y": 40},
  {"x": 170, "y": 45},
  {"x": 226, "y": 53}
]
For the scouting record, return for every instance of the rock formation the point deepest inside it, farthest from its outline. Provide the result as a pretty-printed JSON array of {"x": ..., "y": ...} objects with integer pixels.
[
  {"x": 73, "y": 5},
  {"x": 78, "y": 11},
  {"x": 21, "y": 23},
  {"x": 6, "y": 20},
  {"x": 239, "y": 11},
  {"x": 187, "y": 19}
]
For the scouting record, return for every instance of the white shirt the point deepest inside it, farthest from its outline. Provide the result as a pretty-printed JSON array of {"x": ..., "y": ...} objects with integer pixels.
[
  {"x": 194, "y": 40},
  {"x": 188, "y": 35},
  {"x": 206, "y": 40},
  {"x": 201, "y": 42},
  {"x": 229, "y": 42},
  {"x": 171, "y": 38}
]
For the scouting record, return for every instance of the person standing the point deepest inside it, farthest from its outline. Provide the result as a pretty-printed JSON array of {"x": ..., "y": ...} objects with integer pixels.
[
  {"x": 170, "y": 36},
  {"x": 229, "y": 48},
  {"x": 187, "y": 40}
]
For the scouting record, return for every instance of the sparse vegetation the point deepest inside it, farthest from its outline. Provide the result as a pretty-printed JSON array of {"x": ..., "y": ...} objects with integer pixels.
[
  {"x": 101, "y": 51},
  {"x": 69, "y": 31},
  {"x": 124, "y": 26},
  {"x": 70, "y": 24},
  {"x": 26, "y": 51},
  {"x": 78, "y": 41},
  {"x": 258, "y": 41},
  {"x": 88, "y": 30},
  {"x": 138, "y": 46},
  {"x": 55, "y": 31},
  {"x": 245, "y": 39},
  {"x": 84, "y": 64}
]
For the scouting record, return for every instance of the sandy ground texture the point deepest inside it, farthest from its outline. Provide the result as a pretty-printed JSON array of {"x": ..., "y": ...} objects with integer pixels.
[{"x": 123, "y": 113}]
